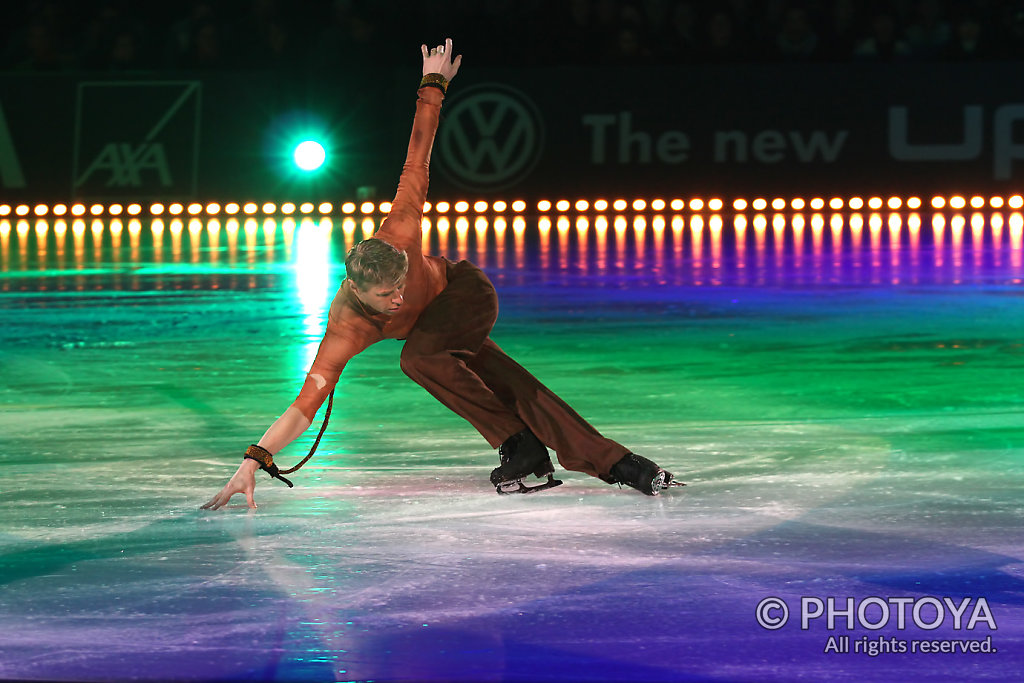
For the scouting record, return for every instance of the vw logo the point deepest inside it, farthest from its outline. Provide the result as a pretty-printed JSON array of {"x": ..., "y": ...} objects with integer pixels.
[{"x": 492, "y": 138}]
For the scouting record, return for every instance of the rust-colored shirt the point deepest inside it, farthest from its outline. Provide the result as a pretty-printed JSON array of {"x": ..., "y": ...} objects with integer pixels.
[{"x": 351, "y": 326}]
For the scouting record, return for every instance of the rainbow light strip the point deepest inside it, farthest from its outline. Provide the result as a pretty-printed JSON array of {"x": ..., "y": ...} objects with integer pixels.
[{"x": 519, "y": 206}]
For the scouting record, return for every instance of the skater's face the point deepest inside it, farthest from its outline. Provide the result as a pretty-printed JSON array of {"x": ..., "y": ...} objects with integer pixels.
[{"x": 382, "y": 298}]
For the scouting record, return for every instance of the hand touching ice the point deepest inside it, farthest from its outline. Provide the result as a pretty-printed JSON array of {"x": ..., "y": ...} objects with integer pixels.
[{"x": 243, "y": 481}]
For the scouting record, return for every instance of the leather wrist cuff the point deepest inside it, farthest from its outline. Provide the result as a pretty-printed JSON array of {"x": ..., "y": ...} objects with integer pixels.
[
  {"x": 266, "y": 460},
  {"x": 437, "y": 81}
]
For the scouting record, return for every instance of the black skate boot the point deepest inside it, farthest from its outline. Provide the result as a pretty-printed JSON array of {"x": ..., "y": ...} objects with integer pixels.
[
  {"x": 642, "y": 474},
  {"x": 522, "y": 454}
]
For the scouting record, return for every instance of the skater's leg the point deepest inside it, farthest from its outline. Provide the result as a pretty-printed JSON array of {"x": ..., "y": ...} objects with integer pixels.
[
  {"x": 450, "y": 332},
  {"x": 578, "y": 445}
]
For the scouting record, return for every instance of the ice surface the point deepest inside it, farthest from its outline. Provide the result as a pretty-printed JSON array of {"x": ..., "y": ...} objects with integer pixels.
[{"x": 847, "y": 418}]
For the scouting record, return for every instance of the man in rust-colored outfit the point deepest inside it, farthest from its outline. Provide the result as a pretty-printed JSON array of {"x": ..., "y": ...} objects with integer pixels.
[{"x": 444, "y": 311}]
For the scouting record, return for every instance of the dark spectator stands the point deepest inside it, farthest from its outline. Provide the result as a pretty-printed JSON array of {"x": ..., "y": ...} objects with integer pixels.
[{"x": 339, "y": 35}]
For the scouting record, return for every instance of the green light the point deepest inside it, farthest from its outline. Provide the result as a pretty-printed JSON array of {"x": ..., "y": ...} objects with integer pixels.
[{"x": 309, "y": 155}]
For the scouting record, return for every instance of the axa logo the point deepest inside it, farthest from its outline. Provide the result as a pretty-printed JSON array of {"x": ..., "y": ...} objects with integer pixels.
[
  {"x": 122, "y": 164},
  {"x": 492, "y": 138},
  {"x": 136, "y": 138}
]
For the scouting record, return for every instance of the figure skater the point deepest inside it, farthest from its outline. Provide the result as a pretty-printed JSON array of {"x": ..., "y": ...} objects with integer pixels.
[{"x": 445, "y": 312}]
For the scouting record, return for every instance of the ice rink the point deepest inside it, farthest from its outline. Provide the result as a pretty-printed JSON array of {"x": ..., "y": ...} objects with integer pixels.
[{"x": 842, "y": 394}]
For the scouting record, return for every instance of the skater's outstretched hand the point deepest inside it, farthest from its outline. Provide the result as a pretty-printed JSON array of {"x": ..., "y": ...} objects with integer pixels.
[
  {"x": 438, "y": 60},
  {"x": 243, "y": 481}
]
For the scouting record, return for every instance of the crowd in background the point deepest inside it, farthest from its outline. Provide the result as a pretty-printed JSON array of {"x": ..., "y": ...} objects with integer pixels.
[{"x": 339, "y": 35}]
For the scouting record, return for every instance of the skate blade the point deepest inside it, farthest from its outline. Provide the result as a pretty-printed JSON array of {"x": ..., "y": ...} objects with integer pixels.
[
  {"x": 517, "y": 486},
  {"x": 664, "y": 481}
]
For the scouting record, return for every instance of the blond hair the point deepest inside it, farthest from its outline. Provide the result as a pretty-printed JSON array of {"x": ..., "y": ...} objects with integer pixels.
[{"x": 375, "y": 262}]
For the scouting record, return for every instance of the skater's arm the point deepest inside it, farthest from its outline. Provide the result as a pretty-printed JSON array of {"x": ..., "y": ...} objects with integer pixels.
[
  {"x": 285, "y": 429},
  {"x": 402, "y": 226},
  {"x": 335, "y": 351}
]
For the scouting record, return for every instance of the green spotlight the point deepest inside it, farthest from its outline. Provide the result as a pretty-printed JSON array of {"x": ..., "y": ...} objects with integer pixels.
[{"x": 309, "y": 155}]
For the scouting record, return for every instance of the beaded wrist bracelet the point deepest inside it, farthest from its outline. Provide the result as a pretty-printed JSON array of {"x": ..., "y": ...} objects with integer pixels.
[{"x": 435, "y": 80}]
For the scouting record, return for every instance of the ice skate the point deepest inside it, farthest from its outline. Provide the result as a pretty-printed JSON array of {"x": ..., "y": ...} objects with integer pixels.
[
  {"x": 523, "y": 454},
  {"x": 642, "y": 474}
]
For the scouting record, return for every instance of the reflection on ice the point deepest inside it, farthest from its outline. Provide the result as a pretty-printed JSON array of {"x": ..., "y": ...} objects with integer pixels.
[{"x": 837, "y": 389}]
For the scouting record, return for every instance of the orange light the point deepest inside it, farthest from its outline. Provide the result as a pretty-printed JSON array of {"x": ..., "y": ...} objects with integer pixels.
[
  {"x": 5, "y": 209},
  {"x": 759, "y": 204},
  {"x": 155, "y": 209},
  {"x": 231, "y": 208},
  {"x": 195, "y": 209},
  {"x": 619, "y": 205},
  {"x": 658, "y": 205},
  {"x": 696, "y": 204},
  {"x": 175, "y": 209},
  {"x": 325, "y": 208},
  {"x": 835, "y": 203},
  {"x": 996, "y": 202},
  {"x": 367, "y": 208},
  {"x": 134, "y": 210},
  {"x": 41, "y": 209},
  {"x": 778, "y": 203},
  {"x": 817, "y": 204},
  {"x": 914, "y": 203},
  {"x": 306, "y": 208},
  {"x": 499, "y": 206},
  {"x": 480, "y": 206},
  {"x": 95, "y": 209},
  {"x": 269, "y": 207},
  {"x": 22, "y": 210},
  {"x": 544, "y": 205},
  {"x": 582, "y": 205},
  {"x": 115, "y": 209},
  {"x": 288, "y": 208},
  {"x": 856, "y": 203},
  {"x": 601, "y": 205},
  {"x": 715, "y": 204},
  {"x": 384, "y": 207},
  {"x": 250, "y": 208},
  {"x": 677, "y": 204},
  {"x": 62, "y": 209},
  {"x": 518, "y": 206},
  {"x": 739, "y": 204},
  {"x": 442, "y": 207},
  {"x": 977, "y": 202},
  {"x": 212, "y": 209},
  {"x": 1016, "y": 201},
  {"x": 562, "y": 205},
  {"x": 639, "y": 205},
  {"x": 938, "y": 202},
  {"x": 894, "y": 203},
  {"x": 875, "y": 203},
  {"x": 957, "y": 202},
  {"x": 348, "y": 208},
  {"x": 461, "y": 206},
  {"x": 798, "y": 204}
]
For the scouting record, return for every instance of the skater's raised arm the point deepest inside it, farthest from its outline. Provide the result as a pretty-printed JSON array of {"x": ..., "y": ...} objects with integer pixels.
[
  {"x": 402, "y": 231},
  {"x": 402, "y": 226}
]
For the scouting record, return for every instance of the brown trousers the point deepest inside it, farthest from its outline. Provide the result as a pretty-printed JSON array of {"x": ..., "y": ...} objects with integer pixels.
[{"x": 450, "y": 354}]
